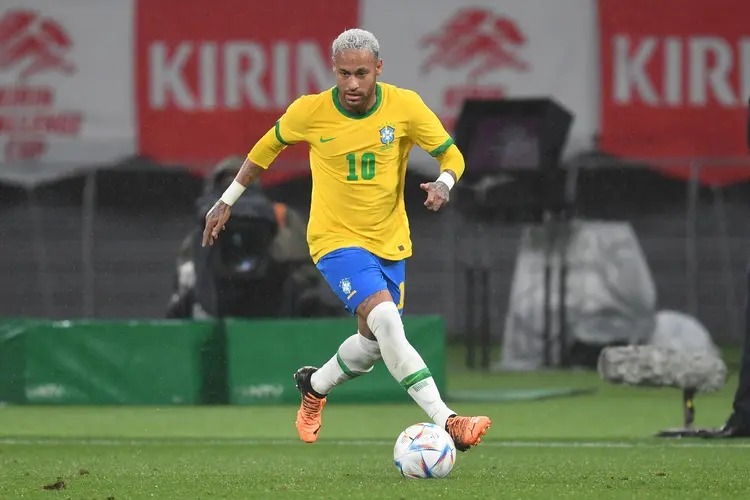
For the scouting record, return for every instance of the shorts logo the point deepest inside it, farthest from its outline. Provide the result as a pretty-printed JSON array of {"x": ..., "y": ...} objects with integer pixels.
[{"x": 345, "y": 286}]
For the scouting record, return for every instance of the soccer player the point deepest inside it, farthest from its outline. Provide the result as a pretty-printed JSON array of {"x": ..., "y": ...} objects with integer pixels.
[{"x": 360, "y": 134}]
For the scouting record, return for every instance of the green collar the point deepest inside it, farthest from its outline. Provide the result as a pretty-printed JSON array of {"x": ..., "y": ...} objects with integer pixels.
[{"x": 355, "y": 116}]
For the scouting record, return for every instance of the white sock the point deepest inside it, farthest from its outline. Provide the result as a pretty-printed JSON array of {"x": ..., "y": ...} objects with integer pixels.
[
  {"x": 356, "y": 355},
  {"x": 405, "y": 363}
]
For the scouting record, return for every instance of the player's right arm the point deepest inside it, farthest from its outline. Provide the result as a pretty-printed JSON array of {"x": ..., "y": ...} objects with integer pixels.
[
  {"x": 429, "y": 134},
  {"x": 289, "y": 129}
]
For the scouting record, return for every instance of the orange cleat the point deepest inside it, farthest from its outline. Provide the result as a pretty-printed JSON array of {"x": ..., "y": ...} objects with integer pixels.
[
  {"x": 309, "y": 419},
  {"x": 467, "y": 431}
]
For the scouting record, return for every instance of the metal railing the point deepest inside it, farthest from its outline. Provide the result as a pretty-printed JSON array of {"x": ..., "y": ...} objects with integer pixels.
[{"x": 695, "y": 166}]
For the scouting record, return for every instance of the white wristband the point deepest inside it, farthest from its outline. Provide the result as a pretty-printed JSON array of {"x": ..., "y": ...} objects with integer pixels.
[
  {"x": 447, "y": 179},
  {"x": 232, "y": 193}
]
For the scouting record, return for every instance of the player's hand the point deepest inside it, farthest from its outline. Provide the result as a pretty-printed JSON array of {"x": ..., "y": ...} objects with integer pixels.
[
  {"x": 438, "y": 194},
  {"x": 215, "y": 220}
]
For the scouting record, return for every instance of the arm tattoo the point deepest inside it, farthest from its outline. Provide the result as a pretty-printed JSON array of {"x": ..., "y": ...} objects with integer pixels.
[
  {"x": 441, "y": 189},
  {"x": 248, "y": 173},
  {"x": 219, "y": 209}
]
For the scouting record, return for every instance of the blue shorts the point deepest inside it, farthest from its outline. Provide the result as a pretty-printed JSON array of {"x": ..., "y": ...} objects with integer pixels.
[{"x": 355, "y": 274}]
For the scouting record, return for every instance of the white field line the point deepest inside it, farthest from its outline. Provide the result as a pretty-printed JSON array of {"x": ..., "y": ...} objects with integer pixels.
[{"x": 666, "y": 443}]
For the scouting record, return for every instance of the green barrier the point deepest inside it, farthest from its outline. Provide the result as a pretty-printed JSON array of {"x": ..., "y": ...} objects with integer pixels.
[
  {"x": 106, "y": 362},
  {"x": 189, "y": 362},
  {"x": 12, "y": 367},
  {"x": 263, "y": 355}
]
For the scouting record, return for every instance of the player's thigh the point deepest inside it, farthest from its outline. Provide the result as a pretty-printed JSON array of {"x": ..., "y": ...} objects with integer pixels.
[
  {"x": 394, "y": 274},
  {"x": 355, "y": 275},
  {"x": 395, "y": 277}
]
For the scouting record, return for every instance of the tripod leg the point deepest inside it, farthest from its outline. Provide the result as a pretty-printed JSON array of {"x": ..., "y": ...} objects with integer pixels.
[
  {"x": 485, "y": 330},
  {"x": 470, "y": 323},
  {"x": 547, "y": 332},
  {"x": 688, "y": 406},
  {"x": 688, "y": 412},
  {"x": 562, "y": 274}
]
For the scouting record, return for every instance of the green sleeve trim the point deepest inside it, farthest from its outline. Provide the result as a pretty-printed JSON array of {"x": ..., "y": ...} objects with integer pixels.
[
  {"x": 278, "y": 135},
  {"x": 435, "y": 152}
]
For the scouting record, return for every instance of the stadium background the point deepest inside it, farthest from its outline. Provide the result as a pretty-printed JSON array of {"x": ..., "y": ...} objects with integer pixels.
[
  {"x": 111, "y": 115},
  {"x": 144, "y": 106}
]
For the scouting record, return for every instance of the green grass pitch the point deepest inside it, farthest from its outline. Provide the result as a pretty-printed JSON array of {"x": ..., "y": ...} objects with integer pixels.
[{"x": 596, "y": 446}]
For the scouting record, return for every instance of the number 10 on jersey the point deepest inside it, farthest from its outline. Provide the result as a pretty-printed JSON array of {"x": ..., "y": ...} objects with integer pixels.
[{"x": 362, "y": 169}]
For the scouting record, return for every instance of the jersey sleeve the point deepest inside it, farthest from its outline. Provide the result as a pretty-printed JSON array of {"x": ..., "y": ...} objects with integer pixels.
[
  {"x": 425, "y": 128},
  {"x": 288, "y": 130}
]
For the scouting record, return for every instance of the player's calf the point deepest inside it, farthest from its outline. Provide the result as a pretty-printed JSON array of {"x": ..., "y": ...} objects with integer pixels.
[
  {"x": 403, "y": 361},
  {"x": 356, "y": 356}
]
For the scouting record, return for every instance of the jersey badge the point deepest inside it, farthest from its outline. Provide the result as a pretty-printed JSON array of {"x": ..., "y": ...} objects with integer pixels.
[{"x": 387, "y": 136}]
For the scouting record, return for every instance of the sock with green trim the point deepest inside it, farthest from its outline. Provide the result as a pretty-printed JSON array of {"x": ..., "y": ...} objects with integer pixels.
[
  {"x": 356, "y": 356},
  {"x": 405, "y": 363}
]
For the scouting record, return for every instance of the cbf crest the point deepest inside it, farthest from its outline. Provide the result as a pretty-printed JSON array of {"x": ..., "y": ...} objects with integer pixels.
[
  {"x": 387, "y": 136},
  {"x": 345, "y": 286}
]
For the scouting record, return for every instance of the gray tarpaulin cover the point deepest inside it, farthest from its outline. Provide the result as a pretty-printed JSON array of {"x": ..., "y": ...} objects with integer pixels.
[{"x": 611, "y": 295}]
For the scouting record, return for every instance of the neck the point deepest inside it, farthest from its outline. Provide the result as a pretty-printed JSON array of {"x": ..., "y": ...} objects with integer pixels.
[{"x": 367, "y": 106}]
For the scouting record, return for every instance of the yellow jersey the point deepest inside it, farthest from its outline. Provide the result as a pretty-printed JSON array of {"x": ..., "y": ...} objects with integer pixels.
[{"x": 358, "y": 166}]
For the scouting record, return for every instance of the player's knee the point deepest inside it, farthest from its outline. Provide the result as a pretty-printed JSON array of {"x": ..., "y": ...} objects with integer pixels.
[
  {"x": 364, "y": 329},
  {"x": 370, "y": 347},
  {"x": 385, "y": 323}
]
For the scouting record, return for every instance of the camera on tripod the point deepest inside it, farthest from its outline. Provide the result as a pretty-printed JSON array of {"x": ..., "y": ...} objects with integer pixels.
[{"x": 513, "y": 150}]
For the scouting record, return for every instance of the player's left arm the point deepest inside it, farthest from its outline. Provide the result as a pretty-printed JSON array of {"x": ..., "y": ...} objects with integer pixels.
[
  {"x": 429, "y": 134},
  {"x": 289, "y": 129}
]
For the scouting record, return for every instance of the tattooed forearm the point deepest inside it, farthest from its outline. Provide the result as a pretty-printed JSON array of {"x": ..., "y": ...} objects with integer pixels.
[
  {"x": 218, "y": 211},
  {"x": 215, "y": 220},
  {"x": 441, "y": 190},
  {"x": 248, "y": 173}
]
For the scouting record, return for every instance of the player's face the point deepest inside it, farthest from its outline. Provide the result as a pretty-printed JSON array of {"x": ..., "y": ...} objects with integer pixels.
[{"x": 356, "y": 74}]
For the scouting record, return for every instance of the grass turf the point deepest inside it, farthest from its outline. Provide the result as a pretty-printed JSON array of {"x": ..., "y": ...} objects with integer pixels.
[{"x": 590, "y": 446}]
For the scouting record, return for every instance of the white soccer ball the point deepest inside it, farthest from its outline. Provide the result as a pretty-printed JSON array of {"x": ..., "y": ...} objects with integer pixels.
[{"x": 424, "y": 451}]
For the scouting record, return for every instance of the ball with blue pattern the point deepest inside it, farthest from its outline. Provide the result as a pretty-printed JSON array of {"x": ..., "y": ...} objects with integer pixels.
[{"x": 424, "y": 451}]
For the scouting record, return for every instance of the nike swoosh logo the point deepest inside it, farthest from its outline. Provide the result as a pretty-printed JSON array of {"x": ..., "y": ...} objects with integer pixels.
[{"x": 324, "y": 139}]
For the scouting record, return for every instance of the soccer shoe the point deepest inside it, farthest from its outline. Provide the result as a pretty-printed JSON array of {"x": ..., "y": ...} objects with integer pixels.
[
  {"x": 308, "y": 416},
  {"x": 467, "y": 431}
]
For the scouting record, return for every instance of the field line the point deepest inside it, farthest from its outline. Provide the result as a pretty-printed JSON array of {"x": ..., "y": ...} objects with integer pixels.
[{"x": 667, "y": 443}]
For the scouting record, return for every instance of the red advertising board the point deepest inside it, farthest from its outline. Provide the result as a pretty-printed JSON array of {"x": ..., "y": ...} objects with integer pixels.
[
  {"x": 213, "y": 77},
  {"x": 675, "y": 78}
]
